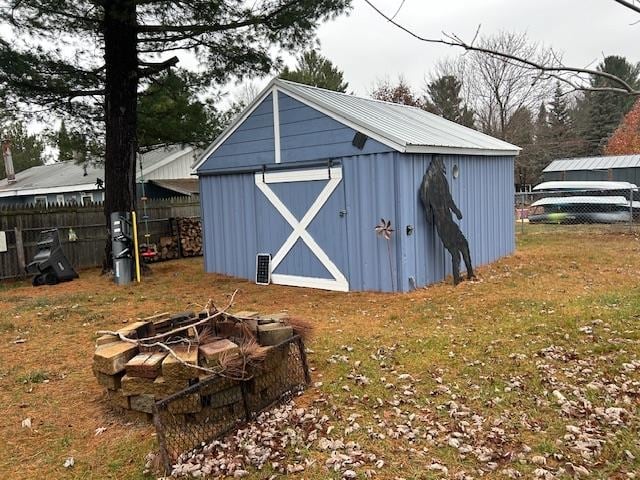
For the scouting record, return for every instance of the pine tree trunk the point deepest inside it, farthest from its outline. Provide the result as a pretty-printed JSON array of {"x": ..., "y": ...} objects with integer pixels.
[{"x": 121, "y": 86}]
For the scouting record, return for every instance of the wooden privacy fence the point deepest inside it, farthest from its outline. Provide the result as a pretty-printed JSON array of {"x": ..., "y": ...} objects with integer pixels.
[{"x": 82, "y": 230}]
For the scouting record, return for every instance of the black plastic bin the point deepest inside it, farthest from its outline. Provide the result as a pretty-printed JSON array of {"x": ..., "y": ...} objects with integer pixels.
[{"x": 50, "y": 265}]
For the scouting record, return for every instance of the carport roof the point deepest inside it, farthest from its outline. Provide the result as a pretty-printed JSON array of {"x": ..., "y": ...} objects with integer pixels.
[{"x": 594, "y": 163}]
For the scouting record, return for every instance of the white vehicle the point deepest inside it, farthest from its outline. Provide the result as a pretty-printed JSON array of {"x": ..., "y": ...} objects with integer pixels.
[{"x": 582, "y": 209}]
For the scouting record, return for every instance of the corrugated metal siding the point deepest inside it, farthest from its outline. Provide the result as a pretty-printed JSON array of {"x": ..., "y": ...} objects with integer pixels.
[
  {"x": 631, "y": 175},
  {"x": 371, "y": 189},
  {"x": 553, "y": 176},
  {"x": 228, "y": 211},
  {"x": 240, "y": 222},
  {"x": 306, "y": 134},
  {"x": 251, "y": 144},
  {"x": 484, "y": 193}
]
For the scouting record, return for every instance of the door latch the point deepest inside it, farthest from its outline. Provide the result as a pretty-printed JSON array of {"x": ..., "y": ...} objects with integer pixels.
[{"x": 342, "y": 213}]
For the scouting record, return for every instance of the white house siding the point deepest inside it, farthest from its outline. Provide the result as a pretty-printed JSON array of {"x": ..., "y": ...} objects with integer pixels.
[{"x": 179, "y": 168}]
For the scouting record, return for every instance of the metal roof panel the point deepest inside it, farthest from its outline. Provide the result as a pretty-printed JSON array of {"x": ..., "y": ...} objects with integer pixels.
[
  {"x": 594, "y": 163},
  {"x": 402, "y": 124}
]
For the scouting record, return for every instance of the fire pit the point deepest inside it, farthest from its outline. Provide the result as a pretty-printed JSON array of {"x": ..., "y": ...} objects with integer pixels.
[{"x": 199, "y": 375}]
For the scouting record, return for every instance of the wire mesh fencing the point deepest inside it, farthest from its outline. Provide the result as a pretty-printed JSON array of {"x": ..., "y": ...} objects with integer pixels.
[
  {"x": 587, "y": 210},
  {"x": 217, "y": 405}
]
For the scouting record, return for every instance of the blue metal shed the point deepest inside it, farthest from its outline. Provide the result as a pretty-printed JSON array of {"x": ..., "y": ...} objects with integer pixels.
[{"x": 305, "y": 174}]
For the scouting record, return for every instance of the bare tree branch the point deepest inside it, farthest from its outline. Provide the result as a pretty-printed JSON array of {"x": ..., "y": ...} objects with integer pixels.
[
  {"x": 629, "y": 5},
  {"x": 554, "y": 70}
]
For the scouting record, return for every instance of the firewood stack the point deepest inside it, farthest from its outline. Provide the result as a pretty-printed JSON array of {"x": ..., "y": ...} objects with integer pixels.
[
  {"x": 190, "y": 234},
  {"x": 168, "y": 248},
  {"x": 136, "y": 376}
]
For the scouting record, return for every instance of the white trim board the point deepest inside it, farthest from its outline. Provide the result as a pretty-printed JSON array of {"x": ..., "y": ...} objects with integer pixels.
[
  {"x": 339, "y": 282},
  {"x": 276, "y": 126},
  {"x": 480, "y": 152},
  {"x": 309, "y": 282},
  {"x": 300, "y": 175}
]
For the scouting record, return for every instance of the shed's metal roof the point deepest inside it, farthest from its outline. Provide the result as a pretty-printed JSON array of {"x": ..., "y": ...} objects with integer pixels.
[
  {"x": 401, "y": 127},
  {"x": 594, "y": 163},
  {"x": 409, "y": 128}
]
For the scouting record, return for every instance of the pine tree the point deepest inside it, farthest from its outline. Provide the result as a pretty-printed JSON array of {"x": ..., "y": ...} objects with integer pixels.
[
  {"x": 561, "y": 133},
  {"x": 169, "y": 113},
  {"x": 110, "y": 46},
  {"x": 65, "y": 144},
  {"x": 315, "y": 70},
  {"x": 603, "y": 111},
  {"x": 559, "y": 118},
  {"x": 542, "y": 147},
  {"x": 520, "y": 131},
  {"x": 446, "y": 100}
]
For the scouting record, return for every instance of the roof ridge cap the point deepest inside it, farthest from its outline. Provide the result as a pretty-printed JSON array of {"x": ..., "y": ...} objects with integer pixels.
[{"x": 370, "y": 99}]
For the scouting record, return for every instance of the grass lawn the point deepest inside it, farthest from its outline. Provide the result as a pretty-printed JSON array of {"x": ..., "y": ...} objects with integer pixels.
[{"x": 535, "y": 367}]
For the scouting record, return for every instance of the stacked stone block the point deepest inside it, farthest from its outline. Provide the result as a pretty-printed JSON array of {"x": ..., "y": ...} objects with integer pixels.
[{"x": 136, "y": 377}]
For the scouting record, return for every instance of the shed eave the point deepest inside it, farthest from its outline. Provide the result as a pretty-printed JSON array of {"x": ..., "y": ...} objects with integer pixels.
[{"x": 451, "y": 150}]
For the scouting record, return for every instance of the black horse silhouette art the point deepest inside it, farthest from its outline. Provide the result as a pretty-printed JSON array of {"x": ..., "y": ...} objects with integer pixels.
[{"x": 438, "y": 204}]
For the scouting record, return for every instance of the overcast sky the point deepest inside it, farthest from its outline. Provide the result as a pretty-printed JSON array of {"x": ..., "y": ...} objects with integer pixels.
[{"x": 367, "y": 48}]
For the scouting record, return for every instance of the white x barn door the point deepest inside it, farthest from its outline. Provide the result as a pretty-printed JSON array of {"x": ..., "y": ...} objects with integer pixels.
[{"x": 266, "y": 183}]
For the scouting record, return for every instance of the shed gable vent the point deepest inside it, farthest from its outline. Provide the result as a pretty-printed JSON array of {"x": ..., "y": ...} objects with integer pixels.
[{"x": 359, "y": 139}]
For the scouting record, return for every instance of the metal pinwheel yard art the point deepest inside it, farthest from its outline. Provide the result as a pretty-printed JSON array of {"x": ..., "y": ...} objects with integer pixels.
[{"x": 384, "y": 230}]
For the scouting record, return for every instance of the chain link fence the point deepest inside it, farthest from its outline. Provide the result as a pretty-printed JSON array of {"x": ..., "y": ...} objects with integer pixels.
[
  {"x": 217, "y": 405},
  {"x": 601, "y": 209}
]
